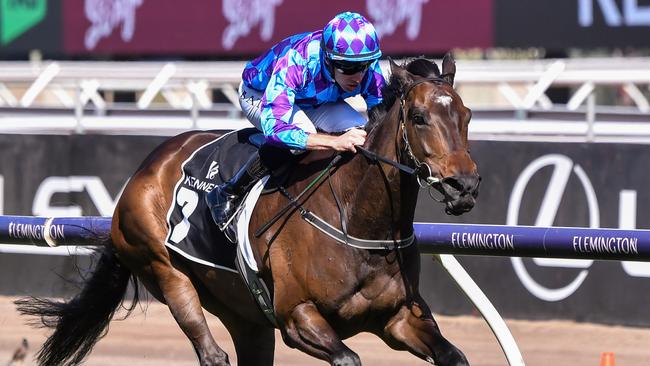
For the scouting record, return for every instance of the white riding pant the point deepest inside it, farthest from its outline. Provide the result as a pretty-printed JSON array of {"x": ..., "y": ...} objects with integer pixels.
[{"x": 328, "y": 117}]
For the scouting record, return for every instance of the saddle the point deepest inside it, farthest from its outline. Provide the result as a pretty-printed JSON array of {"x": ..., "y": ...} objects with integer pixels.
[{"x": 192, "y": 233}]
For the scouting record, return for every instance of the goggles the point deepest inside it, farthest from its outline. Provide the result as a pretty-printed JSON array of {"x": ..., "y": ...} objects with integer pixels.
[{"x": 350, "y": 67}]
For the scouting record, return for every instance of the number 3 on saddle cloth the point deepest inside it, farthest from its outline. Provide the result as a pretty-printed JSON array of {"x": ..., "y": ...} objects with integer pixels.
[{"x": 192, "y": 232}]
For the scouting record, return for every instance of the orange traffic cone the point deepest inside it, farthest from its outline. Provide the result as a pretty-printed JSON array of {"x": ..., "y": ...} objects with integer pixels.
[{"x": 607, "y": 359}]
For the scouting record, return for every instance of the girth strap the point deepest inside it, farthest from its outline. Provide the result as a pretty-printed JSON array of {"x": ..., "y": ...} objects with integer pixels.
[{"x": 257, "y": 288}]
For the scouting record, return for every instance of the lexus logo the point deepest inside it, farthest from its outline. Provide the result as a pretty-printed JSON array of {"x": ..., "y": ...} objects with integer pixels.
[{"x": 563, "y": 169}]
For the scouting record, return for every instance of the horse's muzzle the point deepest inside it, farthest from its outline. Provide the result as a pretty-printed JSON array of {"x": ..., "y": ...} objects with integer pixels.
[{"x": 460, "y": 193}]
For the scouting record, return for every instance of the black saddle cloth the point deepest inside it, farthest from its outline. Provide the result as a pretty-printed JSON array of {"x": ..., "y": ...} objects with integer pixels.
[{"x": 192, "y": 233}]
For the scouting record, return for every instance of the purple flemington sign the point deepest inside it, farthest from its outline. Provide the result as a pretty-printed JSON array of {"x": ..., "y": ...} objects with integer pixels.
[
  {"x": 459, "y": 239},
  {"x": 54, "y": 231},
  {"x": 532, "y": 241}
]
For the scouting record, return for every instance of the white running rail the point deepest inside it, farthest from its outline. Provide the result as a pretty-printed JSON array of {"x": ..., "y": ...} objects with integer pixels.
[
  {"x": 175, "y": 81},
  {"x": 607, "y": 98}
]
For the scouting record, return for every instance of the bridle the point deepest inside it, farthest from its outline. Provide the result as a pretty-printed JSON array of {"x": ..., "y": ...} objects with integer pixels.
[{"x": 421, "y": 168}]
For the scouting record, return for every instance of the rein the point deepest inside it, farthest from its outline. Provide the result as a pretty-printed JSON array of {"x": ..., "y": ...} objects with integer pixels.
[
  {"x": 293, "y": 201},
  {"x": 339, "y": 235},
  {"x": 375, "y": 158}
]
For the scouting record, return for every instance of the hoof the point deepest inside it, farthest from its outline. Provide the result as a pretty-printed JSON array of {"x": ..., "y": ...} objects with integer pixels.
[
  {"x": 219, "y": 359},
  {"x": 454, "y": 357},
  {"x": 346, "y": 359}
]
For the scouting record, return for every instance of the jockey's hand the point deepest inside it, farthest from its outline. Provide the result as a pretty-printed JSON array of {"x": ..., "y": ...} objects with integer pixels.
[
  {"x": 344, "y": 142},
  {"x": 350, "y": 139}
]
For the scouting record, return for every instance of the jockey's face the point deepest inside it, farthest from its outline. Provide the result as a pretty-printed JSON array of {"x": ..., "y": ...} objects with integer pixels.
[
  {"x": 348, "y": 82},
  {"x": 349, "y": 74}
]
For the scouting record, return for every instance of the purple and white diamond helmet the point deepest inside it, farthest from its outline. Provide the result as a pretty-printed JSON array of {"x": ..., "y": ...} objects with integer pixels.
[{"x": 350, "y": 37}]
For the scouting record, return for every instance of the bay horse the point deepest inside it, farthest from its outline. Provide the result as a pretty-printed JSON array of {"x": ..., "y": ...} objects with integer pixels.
[{"x": 323, "y": 291}]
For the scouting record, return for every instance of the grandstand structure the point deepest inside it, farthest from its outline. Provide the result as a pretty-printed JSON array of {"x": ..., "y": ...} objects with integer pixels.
[{"x": 600, "y": 99}]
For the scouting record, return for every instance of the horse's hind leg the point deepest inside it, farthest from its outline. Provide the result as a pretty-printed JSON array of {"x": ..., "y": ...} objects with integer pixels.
[
  {"x": 414, "y": 329},
  {"x": 183, "y": 302},
  {"x": 139, "y": 230},
  {"x": 170, "y": 285},
  {"x": 306, "y": 329}
]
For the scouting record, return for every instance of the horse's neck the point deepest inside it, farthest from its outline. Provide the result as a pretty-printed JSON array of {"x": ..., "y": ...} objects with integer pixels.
[{"x": 381, "y": 199}]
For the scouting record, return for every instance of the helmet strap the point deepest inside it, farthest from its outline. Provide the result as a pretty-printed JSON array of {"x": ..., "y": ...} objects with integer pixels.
[{"x": 328, "y": 66}]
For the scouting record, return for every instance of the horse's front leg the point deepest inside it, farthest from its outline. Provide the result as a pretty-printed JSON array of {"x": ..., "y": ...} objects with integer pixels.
[
  {"x": 413, "y": 329},
  {"x": 303, "y": 327}
]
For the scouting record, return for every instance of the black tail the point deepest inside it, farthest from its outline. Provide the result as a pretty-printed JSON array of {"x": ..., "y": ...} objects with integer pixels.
[{"x": 79, "y": 323}]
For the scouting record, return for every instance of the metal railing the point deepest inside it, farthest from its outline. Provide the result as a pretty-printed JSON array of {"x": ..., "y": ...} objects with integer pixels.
[{"x": 167, "y": 97}]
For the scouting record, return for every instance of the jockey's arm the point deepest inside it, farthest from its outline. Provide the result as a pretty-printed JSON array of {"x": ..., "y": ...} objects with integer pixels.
[
  {"x": 344, "y": 142},
  {"x": 354, "y": 137},
  {"x": 277, "y": 104}
]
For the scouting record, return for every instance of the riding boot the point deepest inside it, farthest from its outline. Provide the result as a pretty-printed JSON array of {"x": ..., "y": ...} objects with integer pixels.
[{"x": 224, "y": 199}]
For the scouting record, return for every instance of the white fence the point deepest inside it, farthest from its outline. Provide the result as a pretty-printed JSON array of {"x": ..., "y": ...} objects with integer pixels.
[{"x": 169, "y": 97}]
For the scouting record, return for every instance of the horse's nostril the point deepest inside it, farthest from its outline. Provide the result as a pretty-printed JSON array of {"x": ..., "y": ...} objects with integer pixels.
[
  {"x": 466, "y": 184},
  {"x": 454, "y": 183}
]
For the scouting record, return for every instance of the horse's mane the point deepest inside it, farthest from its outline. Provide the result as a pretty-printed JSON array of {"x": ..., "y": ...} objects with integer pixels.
[{"x": 394, "y": 87}]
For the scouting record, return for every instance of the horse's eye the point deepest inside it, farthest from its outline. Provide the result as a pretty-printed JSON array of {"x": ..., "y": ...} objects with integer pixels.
[{"x": 418, "y": 119}]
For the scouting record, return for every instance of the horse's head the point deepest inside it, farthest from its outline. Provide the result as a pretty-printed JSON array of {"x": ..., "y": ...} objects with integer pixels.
[{"x": 433, "y": 132}]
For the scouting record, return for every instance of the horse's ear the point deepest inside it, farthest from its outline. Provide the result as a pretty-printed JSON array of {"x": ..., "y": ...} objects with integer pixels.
[
  {"x": 449, "y": 68},
  {"x": 399, "y": 74}
]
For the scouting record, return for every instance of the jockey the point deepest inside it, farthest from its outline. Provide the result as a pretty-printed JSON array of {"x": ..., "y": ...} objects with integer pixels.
[{"x": 297, "y": 89}]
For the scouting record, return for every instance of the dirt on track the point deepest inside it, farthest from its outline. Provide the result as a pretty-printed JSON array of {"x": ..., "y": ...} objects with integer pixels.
[{"x": 153, "y": 338}]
